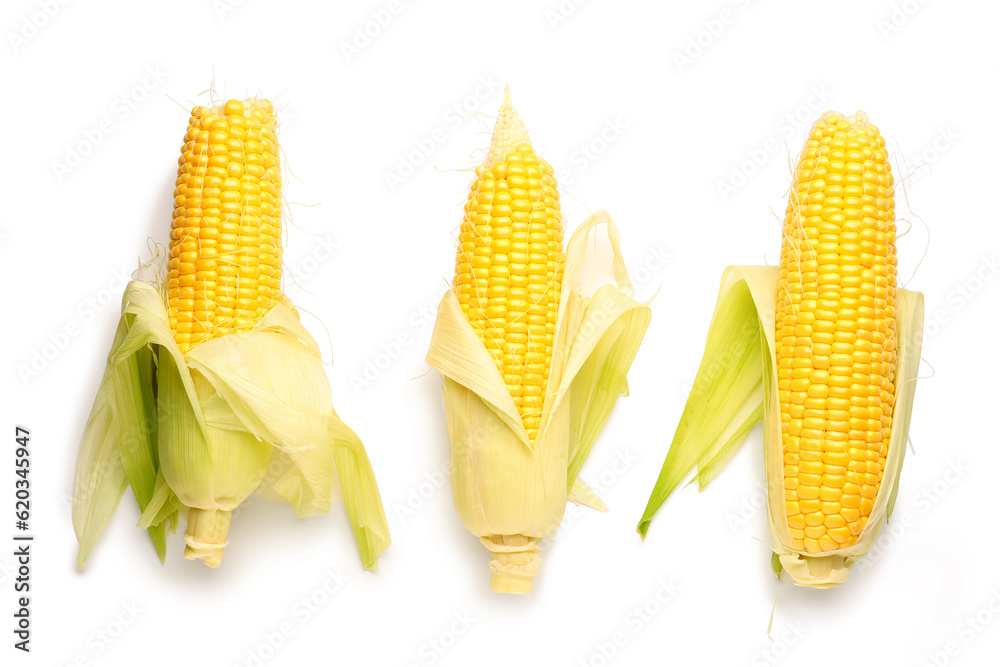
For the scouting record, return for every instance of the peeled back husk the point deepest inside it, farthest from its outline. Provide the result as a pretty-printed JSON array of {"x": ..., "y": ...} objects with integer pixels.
[
  {"x": 511, "y": 492},
  {"x": 197, "y": 433},
  {"x": 735, "y": 389}
]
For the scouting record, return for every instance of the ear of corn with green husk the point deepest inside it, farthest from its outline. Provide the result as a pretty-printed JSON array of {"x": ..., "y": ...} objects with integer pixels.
[
  {"x": 533, "y": 358},
  {"x": 824, "y": 350},
  {"x": 213, "y": 388}
]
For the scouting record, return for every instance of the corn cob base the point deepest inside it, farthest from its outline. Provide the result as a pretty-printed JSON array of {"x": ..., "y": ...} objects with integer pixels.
[
  {"x": 205, "y": 535},
  {"x": 514, "y": 564}
]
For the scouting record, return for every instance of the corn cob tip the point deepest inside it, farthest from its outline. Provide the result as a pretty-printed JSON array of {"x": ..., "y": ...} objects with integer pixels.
[
  {"x": 234, "y": 107},
  {"x": 508, "y": 132},
  {"x": 856, "y": 121}
]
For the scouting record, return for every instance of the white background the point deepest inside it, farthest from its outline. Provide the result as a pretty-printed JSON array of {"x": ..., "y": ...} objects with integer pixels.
[{"x": 662, "y": 134}]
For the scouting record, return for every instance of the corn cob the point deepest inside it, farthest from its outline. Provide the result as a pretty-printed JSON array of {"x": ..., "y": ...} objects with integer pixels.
[
  {"x": 836, "y": 332},
  {"x": 532, "y": 367},
  {"x": 824, "y": 349},
  {"x": 213, "y": 389}
]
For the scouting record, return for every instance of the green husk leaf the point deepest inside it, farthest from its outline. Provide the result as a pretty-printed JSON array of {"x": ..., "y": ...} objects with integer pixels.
[
  {"x": 185, "y": 455},
  {"x": 123, "y": 429},
  {"x": 162, "y": 506},
  {"x": 725, "y": 401},
  {"x": 149, "y": 326},
  {"x": 749, "y": 415},
  {"x": 775, "y": 564},
  {"x": 360, "y": 494},
  {"x": 134, "y": 407},
  {"x": 100, "y": 479}
]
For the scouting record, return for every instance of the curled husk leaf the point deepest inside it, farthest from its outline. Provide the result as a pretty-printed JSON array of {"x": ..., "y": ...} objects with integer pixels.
[
  {"x": 736, "y": 387},
  {"x": 197, "y": 433},
  {"x": 509, "y": 491}
]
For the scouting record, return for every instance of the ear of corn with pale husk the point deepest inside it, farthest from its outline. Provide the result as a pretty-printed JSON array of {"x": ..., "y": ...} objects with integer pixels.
[
  {"x": 195, "y": 418},
  {"x": 510, "y": 485},
  {"x": 843, "y": 357}
]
